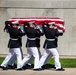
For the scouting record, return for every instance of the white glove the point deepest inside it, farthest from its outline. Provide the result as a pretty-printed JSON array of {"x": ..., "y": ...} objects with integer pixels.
[
  {"x": 38, "y": 27},
  {"x": 60, "y": 31},
  {"x": 18, "y": 27}
]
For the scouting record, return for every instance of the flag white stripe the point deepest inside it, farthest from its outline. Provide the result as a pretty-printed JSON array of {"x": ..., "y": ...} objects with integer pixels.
[{"x": 38, "y": 19}]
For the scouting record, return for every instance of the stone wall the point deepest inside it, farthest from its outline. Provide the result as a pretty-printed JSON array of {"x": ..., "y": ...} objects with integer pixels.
[{"x": 65, "y": 9}]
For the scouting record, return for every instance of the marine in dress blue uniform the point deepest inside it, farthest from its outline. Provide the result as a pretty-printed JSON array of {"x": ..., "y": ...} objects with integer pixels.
[
  {"x": 13, "y": 45},
  {"x": 31, "y": 44},
  {"x": 50, "y": 46}
]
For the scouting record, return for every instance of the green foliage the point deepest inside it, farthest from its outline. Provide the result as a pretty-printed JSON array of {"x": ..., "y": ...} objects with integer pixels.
[
  {"x": 65, "y": 62},
  {"x": 68, "y": 62},
  {"x": 1, "y": 59}
]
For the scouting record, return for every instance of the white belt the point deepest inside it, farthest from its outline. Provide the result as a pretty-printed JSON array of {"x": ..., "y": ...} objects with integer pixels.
[
  {"x": 13, "y": 39},
  {"x": 32, "y": 38},
  {"x": 50, "y": 39}
]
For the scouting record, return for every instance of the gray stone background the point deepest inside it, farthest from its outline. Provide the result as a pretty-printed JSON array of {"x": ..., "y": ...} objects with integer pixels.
[{"x": 65, "y": 9}]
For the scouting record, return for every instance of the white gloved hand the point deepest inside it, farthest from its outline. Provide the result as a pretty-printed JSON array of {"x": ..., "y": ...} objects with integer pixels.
[
  {"x": 60, "y": 31},
  {"x": 37, "y": 27},
  {"x": 18, "y": 27}
]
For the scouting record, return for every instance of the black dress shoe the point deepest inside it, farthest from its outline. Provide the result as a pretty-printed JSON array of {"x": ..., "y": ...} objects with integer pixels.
[
  {"x": 60, "y": 69},
  {"x": 27, "y": 66},
  {"x": 1, "y": 67},
  {"x": 24, "y": 67},
  {"x": 4, "y": 68},
  {"x": 19, "y": 69},
  {"x": 38, "y": 69},
  {"x": 11, "y": 67}
]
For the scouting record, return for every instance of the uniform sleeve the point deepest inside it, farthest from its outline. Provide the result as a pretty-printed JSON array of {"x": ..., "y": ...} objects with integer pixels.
[
  {"x": 38, "y": 33},
  {"x": 26, "y": 29},
  {"x": 20, "y": 33},
  {"x": 45, "y": 28},
  {"x": 16, "y": 32},
  {"x": 10, "y": 30},
  {"x": 57, "y": 33}
]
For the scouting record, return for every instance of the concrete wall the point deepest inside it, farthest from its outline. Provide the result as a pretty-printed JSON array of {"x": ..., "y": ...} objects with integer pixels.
[{"x": 65, "y": 9}]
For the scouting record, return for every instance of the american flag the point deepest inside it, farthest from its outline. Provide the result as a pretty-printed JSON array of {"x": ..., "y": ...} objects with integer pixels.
[{"x": 59, "y": 23}]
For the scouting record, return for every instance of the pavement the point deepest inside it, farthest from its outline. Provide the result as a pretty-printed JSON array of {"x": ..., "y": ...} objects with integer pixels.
[{"x": 68, "y": 71}]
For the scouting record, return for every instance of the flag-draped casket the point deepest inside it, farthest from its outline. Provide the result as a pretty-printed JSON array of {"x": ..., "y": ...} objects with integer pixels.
[{"x": 39, "y": 20}]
